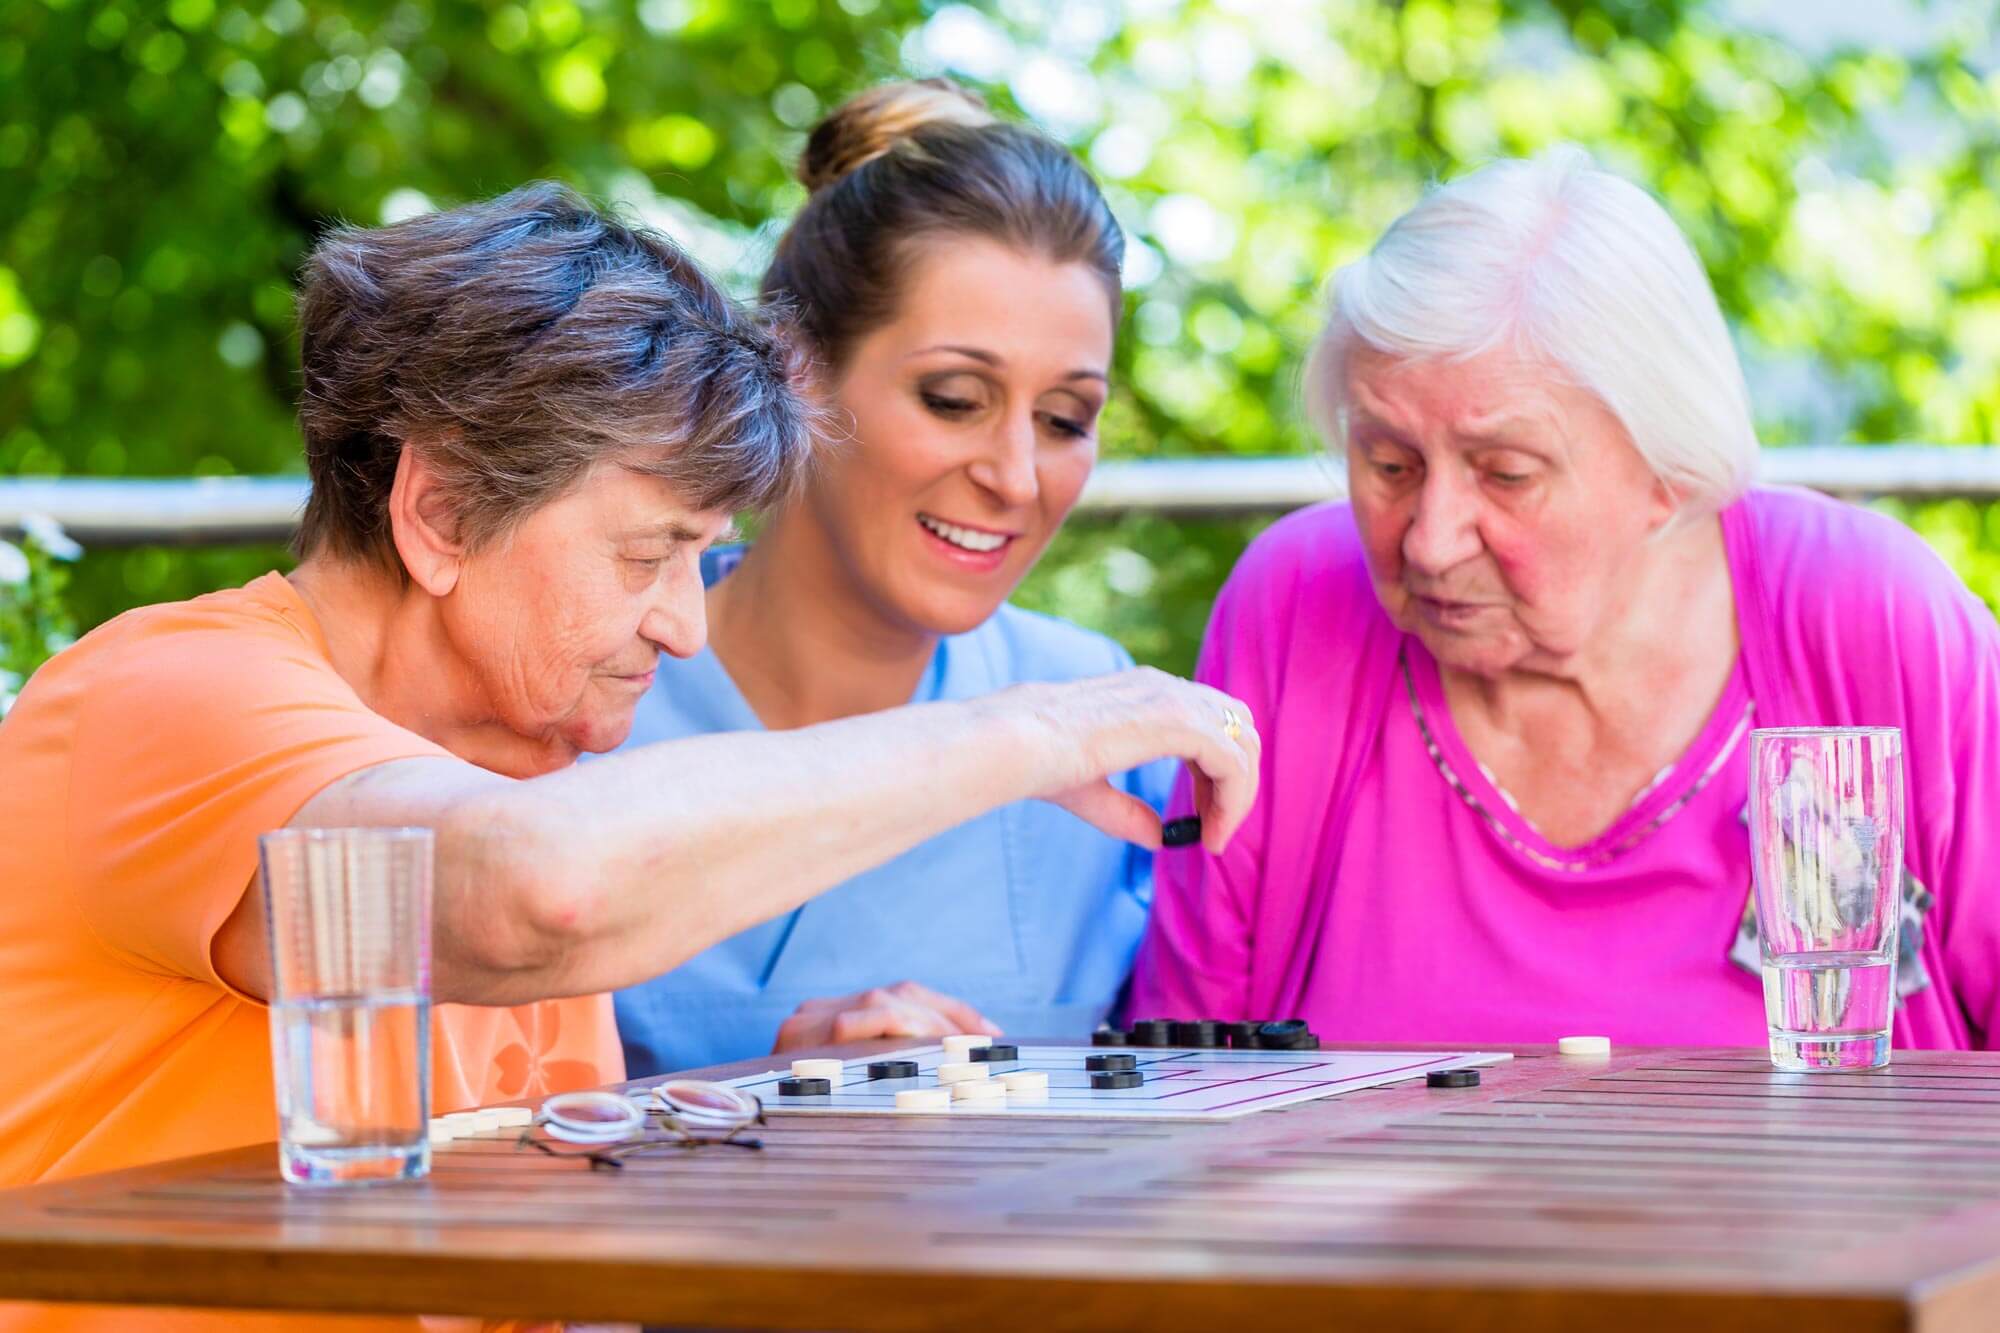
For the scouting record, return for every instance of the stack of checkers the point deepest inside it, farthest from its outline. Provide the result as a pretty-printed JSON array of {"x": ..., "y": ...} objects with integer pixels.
[
  {"x": 1208, "y": 1034},
  {"x": 463, "y": 1124}
]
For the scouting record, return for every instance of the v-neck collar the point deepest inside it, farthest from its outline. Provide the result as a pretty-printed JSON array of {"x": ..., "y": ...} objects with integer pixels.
[
  {"x": 703, "y": 677},
  {"x": 1719, "y": 736},
  {"x": 1696, "y": 766}
]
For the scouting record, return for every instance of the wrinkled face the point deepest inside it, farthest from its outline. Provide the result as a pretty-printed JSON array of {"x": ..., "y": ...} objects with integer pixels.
[
  {"x": 1504, "y": 510},
  {"x": 974, "y": 414},
  {"x": 561, "y": 622}
]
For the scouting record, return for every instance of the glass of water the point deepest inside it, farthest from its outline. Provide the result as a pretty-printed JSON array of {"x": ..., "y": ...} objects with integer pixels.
[
  {"x": 349, "y": 916},
  {"x": 1826, "y": 850}
]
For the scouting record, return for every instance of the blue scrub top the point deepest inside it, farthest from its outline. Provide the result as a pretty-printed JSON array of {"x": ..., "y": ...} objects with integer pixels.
[{"x": 1027, "y": 913}]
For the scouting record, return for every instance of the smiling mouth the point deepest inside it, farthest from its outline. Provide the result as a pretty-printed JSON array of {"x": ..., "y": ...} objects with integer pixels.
[{"x": 965, "y": 539}]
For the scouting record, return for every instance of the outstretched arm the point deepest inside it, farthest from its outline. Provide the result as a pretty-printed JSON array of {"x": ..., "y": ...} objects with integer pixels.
[{"x": 608, "y": 873}]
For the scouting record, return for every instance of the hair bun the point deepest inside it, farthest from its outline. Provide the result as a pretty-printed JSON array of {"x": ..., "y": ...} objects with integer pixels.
[{"x": 869, "y": 124}]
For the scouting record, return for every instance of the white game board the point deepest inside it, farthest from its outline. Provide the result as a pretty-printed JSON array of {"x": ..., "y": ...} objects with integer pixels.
[{"x": 1180, "y": 1084}]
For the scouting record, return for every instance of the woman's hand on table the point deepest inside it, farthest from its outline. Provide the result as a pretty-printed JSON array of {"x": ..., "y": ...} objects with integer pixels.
[{"x": 905, "y": 1009}]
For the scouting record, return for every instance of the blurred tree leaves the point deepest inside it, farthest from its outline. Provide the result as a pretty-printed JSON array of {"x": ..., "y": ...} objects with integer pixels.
[{"x": 163, "y": 167}]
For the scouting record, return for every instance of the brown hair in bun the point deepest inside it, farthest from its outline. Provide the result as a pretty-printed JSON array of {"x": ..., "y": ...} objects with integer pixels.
[
  {"x": 869, "y": 124},
  {"x": 918, "y": 160}
]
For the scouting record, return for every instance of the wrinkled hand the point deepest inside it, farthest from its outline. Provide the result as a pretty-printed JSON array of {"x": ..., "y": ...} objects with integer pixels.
[
  {"x": 1108, "y": 724},
  {"x": 902, "y": 1010}
]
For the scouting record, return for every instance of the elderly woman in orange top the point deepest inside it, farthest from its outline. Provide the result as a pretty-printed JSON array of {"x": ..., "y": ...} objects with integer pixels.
[{"x": 524, "y": 423}]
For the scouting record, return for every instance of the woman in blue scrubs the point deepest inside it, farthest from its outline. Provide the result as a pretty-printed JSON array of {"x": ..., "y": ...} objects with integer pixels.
[{"x": 956, "y": 282}]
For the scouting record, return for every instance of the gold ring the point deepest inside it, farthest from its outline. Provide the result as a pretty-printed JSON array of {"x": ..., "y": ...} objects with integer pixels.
[{"x": 1232, "y": 726}]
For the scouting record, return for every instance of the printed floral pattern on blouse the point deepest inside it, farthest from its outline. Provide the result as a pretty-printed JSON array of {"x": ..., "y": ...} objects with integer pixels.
[{"x": 1911, "y": 975}]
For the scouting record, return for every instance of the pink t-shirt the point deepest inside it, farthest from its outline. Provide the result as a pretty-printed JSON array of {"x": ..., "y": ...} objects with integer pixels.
[{"x": 1385, "y": 890}]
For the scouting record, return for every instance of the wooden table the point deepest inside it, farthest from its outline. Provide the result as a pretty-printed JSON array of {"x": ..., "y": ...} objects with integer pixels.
[{"x": 1682, "y": 1190}]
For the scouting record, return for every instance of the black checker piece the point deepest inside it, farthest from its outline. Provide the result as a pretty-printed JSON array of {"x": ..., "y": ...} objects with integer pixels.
[
  {"x": 1290, "y": 1034},
  {"x": 804, "y": 1087},
  {"x": 1452, "y": 1078}
]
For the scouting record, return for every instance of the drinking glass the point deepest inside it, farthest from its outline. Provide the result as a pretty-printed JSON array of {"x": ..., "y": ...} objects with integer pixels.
[
  {"x": 1826, "y": 849},
  {"x": 349, "y": 916}
]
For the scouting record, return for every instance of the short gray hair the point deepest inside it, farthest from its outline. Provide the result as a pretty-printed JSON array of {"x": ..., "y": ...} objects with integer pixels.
[
  {"x": 518, "y": 342},
  {"x": 1575, "y": 266}
]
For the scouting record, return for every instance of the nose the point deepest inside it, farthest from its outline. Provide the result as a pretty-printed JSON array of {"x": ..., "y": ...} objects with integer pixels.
[
  {"x": 1006, "y": 468},
  {"x": 677, "y": 621},
  {"x": 1444, "y": 530}
]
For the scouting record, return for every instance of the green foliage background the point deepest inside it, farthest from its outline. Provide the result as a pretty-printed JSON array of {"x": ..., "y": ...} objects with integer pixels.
[{"x": 163, "y": 167}]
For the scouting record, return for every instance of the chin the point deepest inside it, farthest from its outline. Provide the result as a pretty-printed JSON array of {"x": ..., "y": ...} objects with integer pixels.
[
  {"x": 948, "y": 617},
  {"x": 944, "y": 607},
  {"x": 597, "y": 735},
  {"x": 1479, "y": 657}
]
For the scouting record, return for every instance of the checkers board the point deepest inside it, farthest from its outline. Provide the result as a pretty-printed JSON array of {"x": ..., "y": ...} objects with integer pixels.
[{"x": 1177, "y": 1084}]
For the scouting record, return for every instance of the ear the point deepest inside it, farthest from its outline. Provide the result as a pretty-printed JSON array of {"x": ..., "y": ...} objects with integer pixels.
[
  {"x": 421, "y": 523},
  {"x": 1666, "y": 507}
]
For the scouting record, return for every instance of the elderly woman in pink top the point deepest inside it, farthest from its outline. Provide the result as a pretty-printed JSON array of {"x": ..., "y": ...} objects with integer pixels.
[{"x": 1505, "y": 688}]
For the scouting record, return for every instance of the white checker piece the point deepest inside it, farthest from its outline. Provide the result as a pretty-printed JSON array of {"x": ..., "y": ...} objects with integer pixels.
[
  {"x": 1583, "y": 1046},
  {"x": 826, "y": 1069},
  {"x": 1180, "y": 1084},
  {"x": 961, "y": 1045}
]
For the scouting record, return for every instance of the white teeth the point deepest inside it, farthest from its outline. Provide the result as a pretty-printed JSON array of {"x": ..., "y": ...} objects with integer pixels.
[{"x": 965, "y": 538}]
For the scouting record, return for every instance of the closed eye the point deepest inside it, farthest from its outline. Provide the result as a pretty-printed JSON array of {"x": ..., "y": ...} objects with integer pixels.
[
  {"x": 1075, "y": 430},
  {"x": 949, "y": 407}
]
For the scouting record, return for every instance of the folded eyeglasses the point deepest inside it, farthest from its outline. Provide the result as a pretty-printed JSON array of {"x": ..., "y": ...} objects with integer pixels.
[{"x": 605, "y": 1128}]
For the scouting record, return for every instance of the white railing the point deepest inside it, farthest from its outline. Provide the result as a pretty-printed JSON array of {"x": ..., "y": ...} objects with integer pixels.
[{"x": 221, "y": 511}]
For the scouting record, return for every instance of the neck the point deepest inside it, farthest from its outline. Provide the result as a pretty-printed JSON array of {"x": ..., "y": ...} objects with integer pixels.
[
  {"x": 802, "y": 641},
  {"x": 1673, "y": 638},
  {"x": 389, "y": 641}
]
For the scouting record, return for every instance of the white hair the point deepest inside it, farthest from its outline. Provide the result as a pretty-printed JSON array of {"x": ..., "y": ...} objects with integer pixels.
[{"x": 1577, "y": 267}]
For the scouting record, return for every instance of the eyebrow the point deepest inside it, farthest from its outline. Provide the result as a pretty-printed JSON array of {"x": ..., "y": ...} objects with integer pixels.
[
  {"x": 1493, "y": 428},
  {"x": 1358, "y": 407},
  {"x": 1504, "y": 423},
  {"x": 672, "y": 529},
  {"x": 1359, "y": 415},
  {"x": 987, "y": 358}
]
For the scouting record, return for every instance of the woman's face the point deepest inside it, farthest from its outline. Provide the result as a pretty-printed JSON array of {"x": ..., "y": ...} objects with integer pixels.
[
  {"x": 974, "y": 416},
  {"x": 560, "y": 623},
  {"x": 1505, "y": 511}
]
